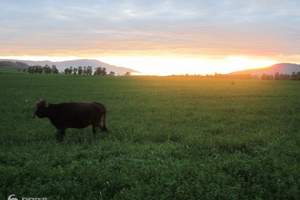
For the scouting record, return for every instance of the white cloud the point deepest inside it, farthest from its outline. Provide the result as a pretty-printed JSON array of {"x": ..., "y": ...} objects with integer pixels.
[{"x": 234, "y": 24}]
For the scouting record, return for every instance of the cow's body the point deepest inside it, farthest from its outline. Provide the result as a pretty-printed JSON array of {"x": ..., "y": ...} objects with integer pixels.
[{"x": 72, "y": 115}]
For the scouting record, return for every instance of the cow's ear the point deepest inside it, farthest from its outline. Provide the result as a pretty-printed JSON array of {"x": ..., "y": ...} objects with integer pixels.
[{"x": 42, "y": 103}]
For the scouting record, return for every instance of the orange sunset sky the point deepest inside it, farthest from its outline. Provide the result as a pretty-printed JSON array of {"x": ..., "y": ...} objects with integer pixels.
[{"x": 154, "y": 37}]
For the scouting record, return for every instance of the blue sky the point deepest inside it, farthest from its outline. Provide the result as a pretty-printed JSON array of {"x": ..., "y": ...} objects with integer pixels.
[{"x": 265, "y": 28}]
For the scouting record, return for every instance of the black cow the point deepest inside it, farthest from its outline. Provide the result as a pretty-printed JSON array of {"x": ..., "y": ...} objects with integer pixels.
[{"x": 72, "y": 115}]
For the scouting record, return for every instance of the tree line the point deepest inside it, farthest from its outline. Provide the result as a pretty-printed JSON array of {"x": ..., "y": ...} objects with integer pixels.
[
  {"x": 38, "y": 69},
  {"x": 81, "y": 70},
  {"x": 99, "y": 71},
  {"x": 278, "y": 76}
]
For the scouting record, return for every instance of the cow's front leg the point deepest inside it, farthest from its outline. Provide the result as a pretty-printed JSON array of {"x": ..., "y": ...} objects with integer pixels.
[
  {"x": 94, "y": 130},
  {"x": 60, "y": 135}
]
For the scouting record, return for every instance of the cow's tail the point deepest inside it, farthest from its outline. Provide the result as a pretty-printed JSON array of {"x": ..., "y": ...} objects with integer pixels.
[
  {"x": 103, "y": 122},
  {"x": 103, "y": 118}
]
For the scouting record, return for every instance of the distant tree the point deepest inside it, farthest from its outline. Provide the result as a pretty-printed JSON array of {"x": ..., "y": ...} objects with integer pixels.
[
  {"x": 75, "y": 70},
  {"x": 38, "y": 69},
  {"x": 293, "y": 76},
  {"x": 111, "y": 73},
  {"x": 69, "y": 70},
  {"x": 84, "y": 70},
  {"x": 29, "y": 70},
  {"x": 277, "y": 76},
  {"x": 100, "y": 71},
  {"x": 46, "y": 69},
  {"x": 54, "y": 70},
  {"x": 80, "y": 71},
  {"x": 66, "y": 70},
  {"x": 127, "y": 74},
  {"x": 89, "y": 70},
  {"x": 285, "y": 77},
  {"x": 267, "y": 77},
  {"x": 298, "y": 76}
]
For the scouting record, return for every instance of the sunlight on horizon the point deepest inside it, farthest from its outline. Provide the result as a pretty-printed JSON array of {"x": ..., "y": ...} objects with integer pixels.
[
  {"x": 169, "y": 65},
  {"x": 165, "y": 65}
]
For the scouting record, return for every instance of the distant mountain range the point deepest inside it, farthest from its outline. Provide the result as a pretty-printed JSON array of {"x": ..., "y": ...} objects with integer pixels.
[
  {"x": 281, "y": 68},
  {"x": 12, "y": 65},
  {"x": 61, "y": 65}
]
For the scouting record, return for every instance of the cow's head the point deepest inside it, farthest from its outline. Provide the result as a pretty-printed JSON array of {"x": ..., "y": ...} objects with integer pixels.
[{"x": 41, "y": 109}]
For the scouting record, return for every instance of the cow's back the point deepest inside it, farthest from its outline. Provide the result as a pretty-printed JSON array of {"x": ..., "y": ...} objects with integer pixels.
[{"x": 76, "y": 115}]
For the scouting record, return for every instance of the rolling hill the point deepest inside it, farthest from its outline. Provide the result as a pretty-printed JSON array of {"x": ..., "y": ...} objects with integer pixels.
[
  {"x": 281, "y": 68},
  {"x": 61, "y": 65}
]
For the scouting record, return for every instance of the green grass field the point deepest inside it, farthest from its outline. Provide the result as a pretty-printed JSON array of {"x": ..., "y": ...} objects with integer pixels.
[{"x": 170, "y": 138}]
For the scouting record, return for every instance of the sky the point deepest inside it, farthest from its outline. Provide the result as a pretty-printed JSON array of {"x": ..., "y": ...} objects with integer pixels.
[{"x": 155, "y": 36}]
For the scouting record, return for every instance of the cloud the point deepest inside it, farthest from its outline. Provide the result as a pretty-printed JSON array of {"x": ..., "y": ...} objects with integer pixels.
[{"x": 212, "y": 27}]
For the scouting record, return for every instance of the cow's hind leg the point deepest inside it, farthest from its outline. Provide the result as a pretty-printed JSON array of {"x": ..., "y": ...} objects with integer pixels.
[
  {"x": 102, "y": 123},
  {"x": 60, "y": 135}
]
